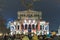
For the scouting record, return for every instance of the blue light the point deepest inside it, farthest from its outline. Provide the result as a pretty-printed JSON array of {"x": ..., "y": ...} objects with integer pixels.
[
  {"x": 11, "y": 19},
  {"x": 8, "y": 22}
]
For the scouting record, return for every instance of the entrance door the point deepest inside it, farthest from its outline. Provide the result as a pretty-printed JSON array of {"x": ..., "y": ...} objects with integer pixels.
[
  {"x": 29, "y": 28},
  {"x": 29, "y": 31}
]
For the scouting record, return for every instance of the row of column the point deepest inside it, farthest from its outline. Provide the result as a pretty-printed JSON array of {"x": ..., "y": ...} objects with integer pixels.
[{"x": 36, "y": 28}]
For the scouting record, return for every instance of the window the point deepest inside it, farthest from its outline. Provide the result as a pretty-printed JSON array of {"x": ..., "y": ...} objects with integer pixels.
[
  {"x": 30, "y": 15},
  {"x": 29, "y": 26},
  {"x": 18, "y": 27},
  {"x": 40, "y": 27},
  {"x": 33, "y": 26},
  {"x": 25, "y": 26}
]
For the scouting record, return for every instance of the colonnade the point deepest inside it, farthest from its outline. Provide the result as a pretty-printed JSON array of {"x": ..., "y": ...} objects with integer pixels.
[{"x": 30, "y": 26}]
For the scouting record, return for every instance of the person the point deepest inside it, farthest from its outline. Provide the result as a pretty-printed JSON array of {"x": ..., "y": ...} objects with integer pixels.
[
  {"x": 21, "y": 36},
  {"x": 55, "y": 38},
  {"x": 35, "y": 37},
  {"x": 25, "y": 38},
  {"x": 5, "y": 37},
  {"x": 59, "y": 37}
]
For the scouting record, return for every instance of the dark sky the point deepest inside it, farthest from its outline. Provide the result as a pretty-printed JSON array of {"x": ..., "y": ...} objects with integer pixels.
[{"x": 49, "y": 8}]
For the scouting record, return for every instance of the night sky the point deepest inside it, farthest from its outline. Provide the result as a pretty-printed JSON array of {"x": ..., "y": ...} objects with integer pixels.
[{"x": 49, "y": 8}]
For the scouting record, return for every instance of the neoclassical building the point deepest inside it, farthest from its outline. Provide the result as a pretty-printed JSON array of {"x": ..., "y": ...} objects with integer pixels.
[{"x": 29, "y": 21}]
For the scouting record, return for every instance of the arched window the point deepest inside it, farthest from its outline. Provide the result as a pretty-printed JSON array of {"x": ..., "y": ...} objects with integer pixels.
[
  {"x": 33, "y": 26},
  {"x": 18, "y": 27},
  {"x": 25, "y": 26},
  {"x": 29, "y": 26}
]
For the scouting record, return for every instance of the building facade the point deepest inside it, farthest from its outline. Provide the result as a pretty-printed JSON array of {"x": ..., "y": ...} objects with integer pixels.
[
  {"x": 29, "y": 21},
  {"x": 29, "y": 14}
]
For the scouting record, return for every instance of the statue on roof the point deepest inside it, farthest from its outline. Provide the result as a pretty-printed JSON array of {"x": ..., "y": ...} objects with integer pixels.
[{"x": 28, "y": 3}]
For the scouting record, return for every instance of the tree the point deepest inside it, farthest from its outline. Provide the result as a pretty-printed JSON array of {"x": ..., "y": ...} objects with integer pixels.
[{"x": 3, "y": 28}]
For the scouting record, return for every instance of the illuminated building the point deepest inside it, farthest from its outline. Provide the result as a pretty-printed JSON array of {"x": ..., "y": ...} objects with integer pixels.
[
  {"x": 29, "y": 14},
  {"x": 29, "y": 21}
]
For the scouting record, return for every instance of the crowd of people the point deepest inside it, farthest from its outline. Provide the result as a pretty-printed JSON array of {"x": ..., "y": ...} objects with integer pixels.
[{"x": 29, "y": 37}]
